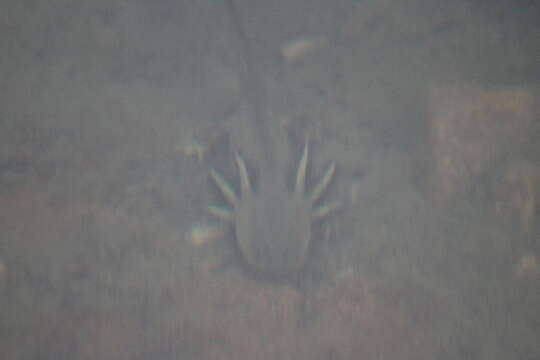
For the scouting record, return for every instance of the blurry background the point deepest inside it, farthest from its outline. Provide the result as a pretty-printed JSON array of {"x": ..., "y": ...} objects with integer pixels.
[{"x": 112, "y": 113}]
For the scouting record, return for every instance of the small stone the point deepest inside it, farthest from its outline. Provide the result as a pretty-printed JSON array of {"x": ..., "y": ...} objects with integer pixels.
[
  {"x": 297, "y": 49},
  {"x": 192, "y": 149},
  {"x": 202, "y": 234},
  {"x": 200, "y": 143}
]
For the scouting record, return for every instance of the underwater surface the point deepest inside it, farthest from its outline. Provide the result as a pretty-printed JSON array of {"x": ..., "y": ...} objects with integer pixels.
[{"x": 114, "y": 113}]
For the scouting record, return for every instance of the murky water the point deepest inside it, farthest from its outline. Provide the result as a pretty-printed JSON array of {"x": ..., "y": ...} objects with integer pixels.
[{"x": 113, "y": 112}]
